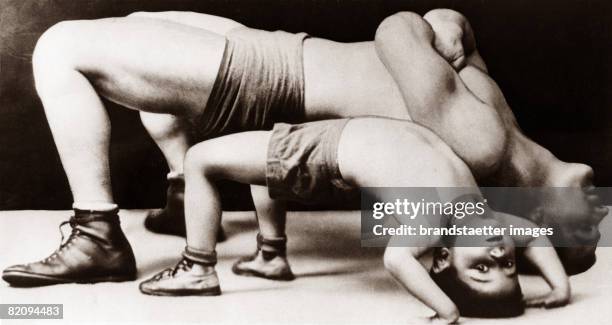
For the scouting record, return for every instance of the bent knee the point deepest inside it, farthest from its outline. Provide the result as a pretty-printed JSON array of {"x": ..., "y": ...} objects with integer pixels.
[
  {"x": 196, "y": 158},
  {"x": 54, "y": 58},
  {"x": 200, "y": 160},
  {"x": 55, "y": 43}
]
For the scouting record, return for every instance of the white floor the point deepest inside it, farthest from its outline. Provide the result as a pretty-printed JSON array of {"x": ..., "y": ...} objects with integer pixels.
[{"x": 338, "y": 281}]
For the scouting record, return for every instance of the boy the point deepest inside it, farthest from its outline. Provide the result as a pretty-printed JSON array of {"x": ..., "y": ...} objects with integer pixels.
[{"x": 313, "y": 161}]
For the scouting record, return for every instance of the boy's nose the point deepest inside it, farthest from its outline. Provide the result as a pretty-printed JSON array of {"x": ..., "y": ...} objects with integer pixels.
[{"x": 497, "y": 252}]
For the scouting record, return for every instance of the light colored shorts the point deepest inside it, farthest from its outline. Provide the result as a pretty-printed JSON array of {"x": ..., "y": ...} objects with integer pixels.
[{"x": 302, "y": 163}]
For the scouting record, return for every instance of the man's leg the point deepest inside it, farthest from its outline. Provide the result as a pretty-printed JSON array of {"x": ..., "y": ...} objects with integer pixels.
[
  {"x": 270, "y": 258},
  {"x": 75, "y": 64},
  {"x": 171, "y": 134},
  {"x": 205, "y": 163}
]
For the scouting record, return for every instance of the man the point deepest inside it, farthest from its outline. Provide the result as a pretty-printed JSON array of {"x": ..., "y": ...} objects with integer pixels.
[{"x": 221, "y": 77}]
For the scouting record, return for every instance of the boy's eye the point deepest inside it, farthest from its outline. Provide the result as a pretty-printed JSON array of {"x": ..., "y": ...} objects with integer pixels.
[
  {"x": 509, "y": 264},
  {"x": 482, "y": 268}
]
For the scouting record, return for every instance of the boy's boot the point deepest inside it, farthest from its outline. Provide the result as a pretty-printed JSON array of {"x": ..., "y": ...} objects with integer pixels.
[
  {"x": 193, "y": 275},
  {"x": 269, "y": 261}
]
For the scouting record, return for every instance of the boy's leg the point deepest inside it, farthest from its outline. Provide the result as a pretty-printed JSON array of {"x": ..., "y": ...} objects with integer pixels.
[
  {"x": 172, "y": 136},
  {"x": 271, "y": 214},
  {"x": 238, "y": 157},
  {"x": 270, "y": 258}
]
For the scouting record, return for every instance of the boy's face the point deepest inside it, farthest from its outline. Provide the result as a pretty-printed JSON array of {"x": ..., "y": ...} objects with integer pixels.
[
  {"x": 487, "y": 269},
  {"x": 484, "y": 263}
]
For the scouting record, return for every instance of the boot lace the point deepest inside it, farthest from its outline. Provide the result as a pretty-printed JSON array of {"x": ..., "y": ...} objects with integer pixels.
[
  {"x": 183, "y": 265},
  {"x": 63, "y": 244}
]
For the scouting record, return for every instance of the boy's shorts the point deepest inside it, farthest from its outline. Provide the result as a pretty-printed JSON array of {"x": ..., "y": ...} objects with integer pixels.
[{"x": 302, "y": 162}]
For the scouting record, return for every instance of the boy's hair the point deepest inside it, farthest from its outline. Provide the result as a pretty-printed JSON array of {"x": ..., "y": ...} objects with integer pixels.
[{"x": 472, "y": 303}]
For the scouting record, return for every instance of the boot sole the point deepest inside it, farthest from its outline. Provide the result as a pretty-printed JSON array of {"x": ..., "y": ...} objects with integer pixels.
[
  {"x": 25, "y": 279},
  {"x": 214, "y": 291},
  {"x": 253, "y": 273}
]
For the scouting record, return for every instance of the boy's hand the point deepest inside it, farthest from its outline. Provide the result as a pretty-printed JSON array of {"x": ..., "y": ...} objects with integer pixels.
[
  {"x": 556, "y": 298},
  {"x": 436, "y": 320},
  {"x": 452, "y": 318}
]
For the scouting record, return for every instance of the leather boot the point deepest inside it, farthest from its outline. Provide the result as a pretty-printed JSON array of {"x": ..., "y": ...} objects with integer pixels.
[
  {"x": 171, "y": 219},
  {"x": 96, "y": 251},
  {"x": 193, "y": 275},
  {"x": 268, "y": 262}
]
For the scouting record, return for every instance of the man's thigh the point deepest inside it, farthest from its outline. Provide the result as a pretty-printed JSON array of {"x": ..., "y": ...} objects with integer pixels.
[{"x": 147, "y": 64}]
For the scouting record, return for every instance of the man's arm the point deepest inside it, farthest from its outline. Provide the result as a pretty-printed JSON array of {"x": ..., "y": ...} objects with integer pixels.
[
  {"x": 403, "y": 264},
  {"x": 455, "y": 41},
  {"x": 435, "y": 94}
]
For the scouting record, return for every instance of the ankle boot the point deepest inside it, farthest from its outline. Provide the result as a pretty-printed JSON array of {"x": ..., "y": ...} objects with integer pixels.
[
  {"x": 194, "y": 274},
  {"x": 171, "y": 219},
  {"x": 269, "y": 261},
  {"x": 96, "y": 251}
]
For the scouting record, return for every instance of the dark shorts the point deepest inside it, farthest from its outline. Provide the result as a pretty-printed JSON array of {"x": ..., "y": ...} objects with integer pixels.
[
  {"x": 302, "y": 163},
  {"x": 260, "y": 82}
]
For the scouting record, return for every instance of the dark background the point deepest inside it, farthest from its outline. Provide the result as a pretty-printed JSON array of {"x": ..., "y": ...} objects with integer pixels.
[{"x": 551, "y": 59}]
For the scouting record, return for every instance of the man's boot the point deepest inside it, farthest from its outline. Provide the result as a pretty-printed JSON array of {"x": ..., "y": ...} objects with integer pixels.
[
  {"x": 95, "y": 251},
  {"x": 171, "y": 219}
]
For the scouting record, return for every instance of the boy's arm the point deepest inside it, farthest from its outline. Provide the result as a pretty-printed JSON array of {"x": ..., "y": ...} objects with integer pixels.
[
  {"x": 541, "y": 253},
  {"x": 403, "y": 264}
]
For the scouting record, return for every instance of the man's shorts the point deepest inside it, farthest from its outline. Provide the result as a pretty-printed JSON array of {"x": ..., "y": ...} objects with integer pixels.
[
  {"x": 260, "y": 82},
  {"x": 302, "y": 163}
]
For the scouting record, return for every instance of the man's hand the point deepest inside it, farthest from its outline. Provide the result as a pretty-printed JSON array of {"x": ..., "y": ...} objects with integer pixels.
[
  {"x": 453, "y": 37},
  {"x": 448, "y": 43},
  {"x": 556, "y": 298}
]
